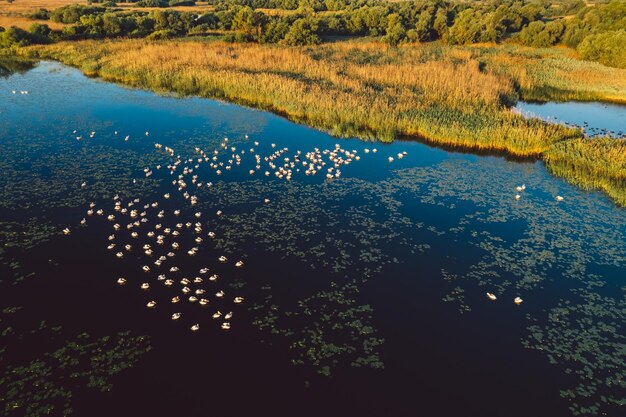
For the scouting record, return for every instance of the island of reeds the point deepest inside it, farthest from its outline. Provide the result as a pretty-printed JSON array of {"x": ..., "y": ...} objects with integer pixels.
[{"x": 443, "y": 72}]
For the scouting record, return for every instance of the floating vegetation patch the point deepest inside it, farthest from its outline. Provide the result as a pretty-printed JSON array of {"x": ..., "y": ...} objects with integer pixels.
[
  {"x": 40, "y": 379},
  {"x": 585, "y": 335},
  {"x": 326, "y": 330}
]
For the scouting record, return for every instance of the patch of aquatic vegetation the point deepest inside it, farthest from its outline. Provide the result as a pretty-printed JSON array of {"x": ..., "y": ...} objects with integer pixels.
[
  {"x": 546, "y": 242},
  {"x": 326, "y": 330},
  {"x": 352, "y": 237},
  {"x": 40, "y": 380},
  {"x": 63, "y": 176},
  {"x": 585, "y": 334}
]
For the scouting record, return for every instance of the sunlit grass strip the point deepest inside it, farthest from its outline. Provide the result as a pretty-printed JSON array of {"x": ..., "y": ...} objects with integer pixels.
[{"x": 591, "y": 163}]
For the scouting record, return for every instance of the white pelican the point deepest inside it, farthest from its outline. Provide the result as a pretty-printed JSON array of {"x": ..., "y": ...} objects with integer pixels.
[
  {"x": 219, "y": 294},
  {"x": 66, "y": 231},
  {"x": 151, "y": 304},
  {"x": 145, "y": 286},
  {"x": 222, "y": 258},
  {"x": 491, "y": 296},
  {"x": 225, "y": 326},
  {"x": 559, "y": 198},
  {"x": 238, "y": 300},
  {"x": 121, "y": 281},
  {"x": 228, "y": 315},
  {"x": 217, "y": 315},
  {"x": 195, "y": 327},
  {"x": 239, "y": 264},
  {"x": 204, "y": 301},
  {"x": 176, "y": 316},
  {"x": 175, "y": 299},
  {"x": 518, "y": 300}
]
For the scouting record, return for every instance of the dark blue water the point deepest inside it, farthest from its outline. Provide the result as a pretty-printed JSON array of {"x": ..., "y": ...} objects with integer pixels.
[{"x": 363, "y": 295}]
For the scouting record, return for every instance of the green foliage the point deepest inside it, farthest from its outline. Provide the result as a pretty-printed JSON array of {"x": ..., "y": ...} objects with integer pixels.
[
  {"x": 73, "y": 12},
  {"x": 40, "y": 14},
  {"x": 302, "y": 32},
  {"x": 153, "y": 3},
  {"x": 15, "y": 36},
  {"x": 395, "y": 31},
  {"x": 606, "y": 48}
]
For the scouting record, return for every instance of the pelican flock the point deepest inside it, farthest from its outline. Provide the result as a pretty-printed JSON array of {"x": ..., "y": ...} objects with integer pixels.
[{"x": 164, "y": 238}]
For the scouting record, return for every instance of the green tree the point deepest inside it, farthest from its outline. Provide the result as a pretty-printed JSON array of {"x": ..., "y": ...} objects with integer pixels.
[
  {"x": 606, "y": 48},
  {"x": 302, "y": 32},
  {"x": 395, "y": 30}
]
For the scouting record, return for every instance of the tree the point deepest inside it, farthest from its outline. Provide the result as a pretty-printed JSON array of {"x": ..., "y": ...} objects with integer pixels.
[
  {"x": 244, "y": 20},
  {"x": 302, "y": 32},
  {"x": 440, "y": 24},
  {"x": 606, "y": 48},
  {"x": 395, "y": 30}
]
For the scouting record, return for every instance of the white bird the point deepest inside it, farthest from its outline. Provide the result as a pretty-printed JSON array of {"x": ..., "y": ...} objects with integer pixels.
[
  {"x": 176, "y": 316},
  {"x": 151, "y": 304},
  {"x": 518, "y": 300},
  {"x": 238, "y": 300},
  {"x": 228, "y": 315},
  {"x": 195, "y": 327},
  {"x": 222, "y": 258},
  {"x": 66, "y": 231},
  {"x": 121, "y": 281},
  {"x": 145, "y": 286},
  {"x": 239, "y": 264},
  {"x": 217, "y": 315},
  {"x": 559, "y": 198},
  {"x": 491, "y": 296},
  {"x": 225, "y": 326}
]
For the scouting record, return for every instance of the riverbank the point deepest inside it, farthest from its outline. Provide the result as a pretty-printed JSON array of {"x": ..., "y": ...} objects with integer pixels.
[{"x": 445, "y": 95}]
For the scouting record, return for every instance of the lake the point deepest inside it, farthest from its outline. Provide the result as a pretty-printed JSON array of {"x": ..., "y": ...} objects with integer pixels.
[{"x": 362, "y": 294}]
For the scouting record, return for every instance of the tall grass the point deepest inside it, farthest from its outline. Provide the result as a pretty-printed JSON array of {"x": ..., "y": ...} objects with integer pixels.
[
  {"x": 453, "y": 96},
  {"x": 344, "y": 87},
  {"x": 591, "y": 163},
  {"x": 554, "y": 73}
]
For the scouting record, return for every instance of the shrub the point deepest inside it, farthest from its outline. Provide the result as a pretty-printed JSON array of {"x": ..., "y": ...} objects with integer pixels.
[
  {"x": 73, "y": 12},
  {"x": 15, "y": 36},
  {"x": 302, "y": 32},
  {"x": 40, "y": 14},
  {"x": 162, "y": 34}
]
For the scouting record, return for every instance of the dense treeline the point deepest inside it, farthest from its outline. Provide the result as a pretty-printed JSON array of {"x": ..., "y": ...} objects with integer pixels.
[{"x": 596, "y": 32}]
